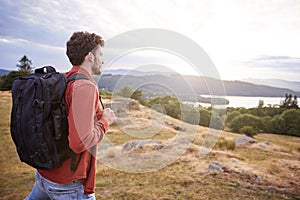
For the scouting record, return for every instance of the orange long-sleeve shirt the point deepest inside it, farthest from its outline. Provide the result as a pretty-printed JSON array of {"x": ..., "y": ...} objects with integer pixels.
[{"x": 86, "y": 129}]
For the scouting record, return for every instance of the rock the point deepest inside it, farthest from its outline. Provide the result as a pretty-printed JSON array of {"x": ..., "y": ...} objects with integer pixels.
[
  {"x": 158, "y": 146},
  {"x": 203, "y": 151},
  {"x": 268, "y": 143},
  {"x": 139, "y": 144},
  {"x": 169, "y": 123},
  {"x": 174, "y": 126},
  {"x": 271, "y": 190},
  {"x": 215, "y": 166},
  {"x": 134, "y": 104},
  {"x": 262, "y": 145},
  {"x": 244, "y": 139},
  {"x": 259, "y": 179},
  {"x": 102, "y": 147},
  {"x": 235, "y": 160},
  {"x": 122, "y": 106}
]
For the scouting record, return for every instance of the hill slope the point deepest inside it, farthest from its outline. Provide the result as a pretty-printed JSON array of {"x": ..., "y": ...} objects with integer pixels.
[
  {"x": 293, "y": 85},
  {"x": 187, "y": 85},
  {"x": 267, "y": 169},
  {"x": 3, "y": 72}
]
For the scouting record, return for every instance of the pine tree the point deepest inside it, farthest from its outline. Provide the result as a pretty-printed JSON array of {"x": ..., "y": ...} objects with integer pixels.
[{"x": 25, "y": 64}]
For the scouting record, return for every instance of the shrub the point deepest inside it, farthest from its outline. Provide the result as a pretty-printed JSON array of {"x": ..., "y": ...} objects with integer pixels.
[
  {"x": 245, "y": 120},
  {"x": 249, "y": 131},
  {"x": 230, "y": 116},
  {"x": 105, "y": 93},
  {"x": 216, "y": 121},
  {"x": 278, "y": 124},
  {"x": 190, "y": 114},
  {"x": 170, "y": 104},
  {"x": 226, "y": 145},
  {"x": 292, "y": 120},
  {"x": 267, "y": 125},
  {"x": 204, "y": 117}
]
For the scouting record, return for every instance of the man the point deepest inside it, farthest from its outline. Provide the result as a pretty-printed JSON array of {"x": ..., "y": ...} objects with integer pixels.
[{"x": 88, "y": 123}]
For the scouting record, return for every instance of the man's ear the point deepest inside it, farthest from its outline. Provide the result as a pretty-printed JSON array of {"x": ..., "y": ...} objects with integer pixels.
[{"x": 90, "y": 56}]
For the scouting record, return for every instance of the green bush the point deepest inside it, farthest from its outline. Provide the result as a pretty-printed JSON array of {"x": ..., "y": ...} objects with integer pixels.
[
  {"x": 267, "y": 125},
  {"x": 105, "y": 93},
  {"x": 292, "y": 121},
  {"x": 126, "y": 92},
  {"x": 216, "y": 121},
  {"x": 170, "y": 104},
  {"x": 249, "y": 131},
  {"x": 230, "y": 116},
  {"x": 245, "y": 120},
  {"x": 204, "y": 117},
  {"x": 189, "y": 114},
  {"x": 278, "y": 124}
]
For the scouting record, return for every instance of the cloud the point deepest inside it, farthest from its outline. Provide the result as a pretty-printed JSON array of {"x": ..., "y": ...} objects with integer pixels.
[
  {"x": 40, "y": 54},
  {"x": 281, "y": 63},
  {"x": 230, "y": 31}
]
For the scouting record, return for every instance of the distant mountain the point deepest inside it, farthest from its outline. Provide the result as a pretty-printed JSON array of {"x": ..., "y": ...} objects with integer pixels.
[
  {"x": 136, "y": 72},
  {"x": 293, "y": 85},
  {"x": 187, "y": 85},
  {"x": 3, "y": 72}
]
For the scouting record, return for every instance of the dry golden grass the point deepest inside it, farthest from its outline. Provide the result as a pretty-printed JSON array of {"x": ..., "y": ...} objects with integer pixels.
[
  {"x": 16, "y": 178},
  {"x": 185, "y": 178}
]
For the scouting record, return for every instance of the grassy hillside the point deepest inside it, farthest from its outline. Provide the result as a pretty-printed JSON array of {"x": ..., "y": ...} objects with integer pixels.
[{"x": 251, "y": 171}]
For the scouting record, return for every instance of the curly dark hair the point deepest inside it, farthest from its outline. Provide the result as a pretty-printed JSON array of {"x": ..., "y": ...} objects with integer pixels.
[{"x": 80, "y": 44}]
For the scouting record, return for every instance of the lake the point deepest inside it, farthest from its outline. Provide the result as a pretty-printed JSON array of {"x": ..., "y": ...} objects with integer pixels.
[
  {"x": 251, "y": 102},
  {"x": 248, "y": 102}
]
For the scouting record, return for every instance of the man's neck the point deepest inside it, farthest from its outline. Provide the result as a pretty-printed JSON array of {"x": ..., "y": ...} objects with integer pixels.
[{"x": 87, "y": 68}]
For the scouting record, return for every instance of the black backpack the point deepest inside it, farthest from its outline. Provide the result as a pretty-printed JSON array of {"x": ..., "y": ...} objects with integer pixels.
[{"x": 39, "y": 125}]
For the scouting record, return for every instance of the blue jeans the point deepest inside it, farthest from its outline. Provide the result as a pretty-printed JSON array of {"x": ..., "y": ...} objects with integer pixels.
[{"x": 44, "y": 189}]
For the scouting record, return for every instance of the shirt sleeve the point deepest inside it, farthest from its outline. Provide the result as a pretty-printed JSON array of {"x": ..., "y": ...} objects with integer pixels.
[{"x": 85, "y": 128}]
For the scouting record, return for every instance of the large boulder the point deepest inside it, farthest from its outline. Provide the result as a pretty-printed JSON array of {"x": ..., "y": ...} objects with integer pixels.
[
  {"x": 139, "y": 144},
  {"x": 122, "y": 106},
  {"x": 244, "y": 140}
]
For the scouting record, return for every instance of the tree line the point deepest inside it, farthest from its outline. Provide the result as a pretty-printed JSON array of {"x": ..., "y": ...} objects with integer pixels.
[{"x": 24, "y": 68}]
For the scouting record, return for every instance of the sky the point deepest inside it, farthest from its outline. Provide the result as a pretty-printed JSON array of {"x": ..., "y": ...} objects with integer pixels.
[{"x": 244, "y": 39}]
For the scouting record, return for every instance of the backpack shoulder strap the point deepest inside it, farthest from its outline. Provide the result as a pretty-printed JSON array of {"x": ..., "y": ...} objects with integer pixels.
[
  {"x": 82, "y": 76},
  {"x": 77, "y": 77},
  {"x": 69, "y": 79}
]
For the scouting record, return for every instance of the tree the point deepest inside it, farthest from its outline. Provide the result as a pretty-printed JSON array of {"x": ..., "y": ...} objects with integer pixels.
[
  {"x": 289, "y": 102},
  {"x": 260, "y": 103},
  {"x": 126, "y": 91},
  {"x": 7, "y": 80},
  {"x": 170, "y": 104},
  {"x": 25, "y": 64},
  {"x": 294, "y": 102},
  {"x": 137, "y": 95}
]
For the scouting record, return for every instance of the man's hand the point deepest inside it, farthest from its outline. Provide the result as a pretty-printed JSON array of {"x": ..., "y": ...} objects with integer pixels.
[{"x": 108, "y": 115}]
